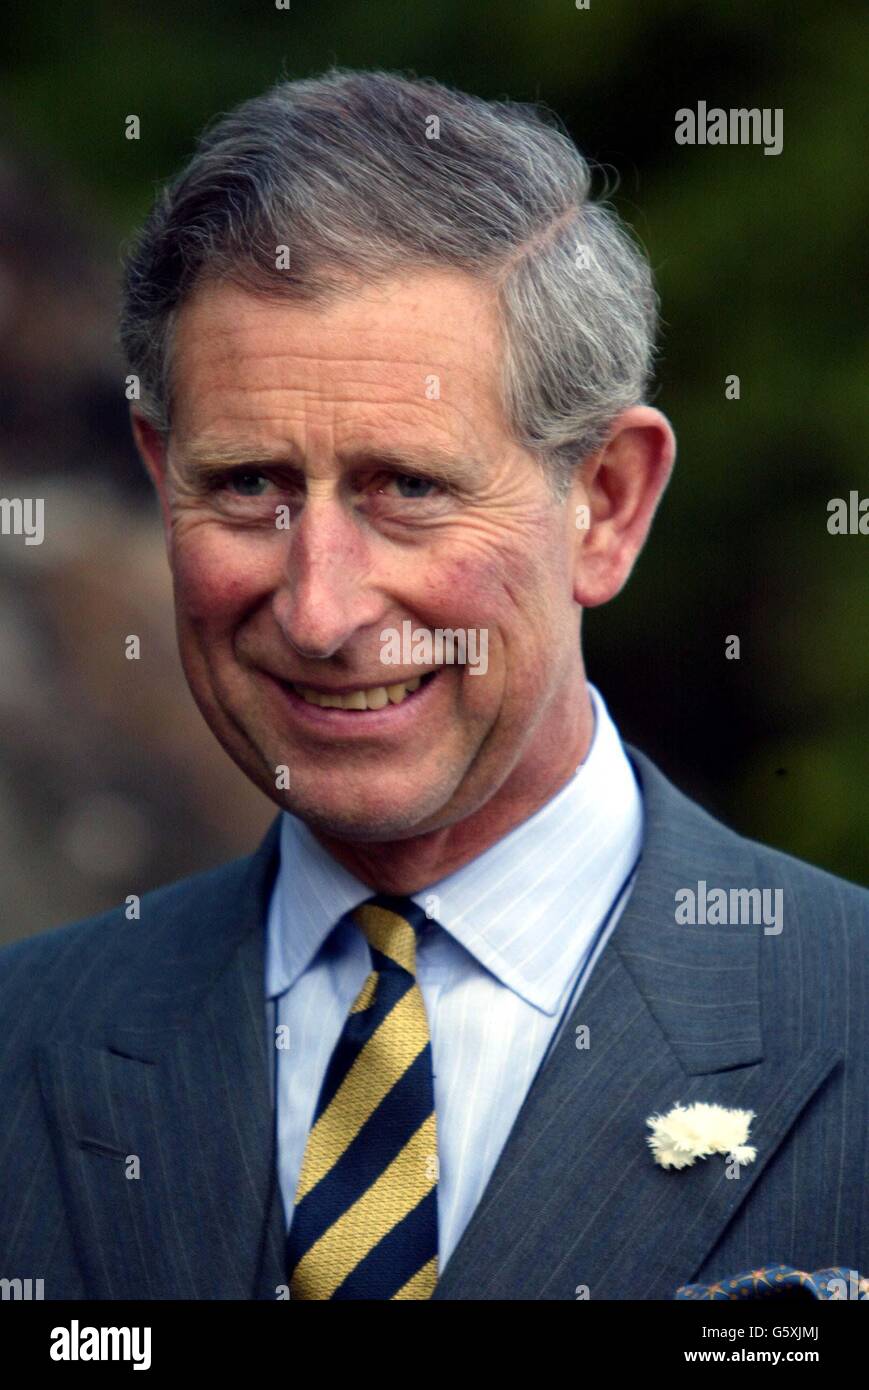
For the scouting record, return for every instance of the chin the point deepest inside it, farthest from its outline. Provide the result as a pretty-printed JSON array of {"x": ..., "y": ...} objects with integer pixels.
[{"x": 363, "y": 820}]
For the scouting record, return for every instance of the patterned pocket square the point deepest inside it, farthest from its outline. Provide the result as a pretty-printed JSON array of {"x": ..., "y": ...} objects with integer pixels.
[{"x": 783, "y": 1281}]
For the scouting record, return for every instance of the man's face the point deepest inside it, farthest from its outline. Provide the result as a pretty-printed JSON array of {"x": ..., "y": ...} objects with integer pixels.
[{"x": 333, "y": 473}]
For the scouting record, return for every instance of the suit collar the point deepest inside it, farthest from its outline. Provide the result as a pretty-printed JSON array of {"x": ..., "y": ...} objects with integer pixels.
[
  {"x": 671, "y": 965},
  {"x": 195, "y": 932}
]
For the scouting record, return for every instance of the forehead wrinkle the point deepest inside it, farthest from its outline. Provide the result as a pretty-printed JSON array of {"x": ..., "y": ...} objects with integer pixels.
[{"x": 278, "y": 342}]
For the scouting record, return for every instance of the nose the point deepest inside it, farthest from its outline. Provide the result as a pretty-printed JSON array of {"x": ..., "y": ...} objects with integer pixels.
[{"x": 327, "y": 594}]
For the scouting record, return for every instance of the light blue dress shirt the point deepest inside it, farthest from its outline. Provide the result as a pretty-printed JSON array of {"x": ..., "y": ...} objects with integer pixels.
[{"x": 514, "y": 937}]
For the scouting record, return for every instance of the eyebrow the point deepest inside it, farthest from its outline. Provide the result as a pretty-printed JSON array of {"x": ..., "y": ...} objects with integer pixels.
[{"x": 209, "y": 457}]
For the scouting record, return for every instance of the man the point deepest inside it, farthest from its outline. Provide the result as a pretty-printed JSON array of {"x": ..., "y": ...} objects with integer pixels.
[{"x": 393, "y": 363}]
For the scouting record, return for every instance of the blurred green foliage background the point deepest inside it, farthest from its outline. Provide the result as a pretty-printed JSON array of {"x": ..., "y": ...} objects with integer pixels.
[{"x": 758, "y": 264}]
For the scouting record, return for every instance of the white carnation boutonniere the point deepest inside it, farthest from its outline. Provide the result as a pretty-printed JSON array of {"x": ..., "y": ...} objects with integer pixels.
[{"x": 687, "y": 1133}]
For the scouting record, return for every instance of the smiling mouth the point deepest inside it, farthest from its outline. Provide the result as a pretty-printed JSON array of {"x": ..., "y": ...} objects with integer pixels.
[{"x": 371, "y": 698}]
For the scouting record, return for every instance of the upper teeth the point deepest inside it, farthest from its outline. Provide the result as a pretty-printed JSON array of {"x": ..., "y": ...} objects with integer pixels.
[{"x": 375, "y": 698}]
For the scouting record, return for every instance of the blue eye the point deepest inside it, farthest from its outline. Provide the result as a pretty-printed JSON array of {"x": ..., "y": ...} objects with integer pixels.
[
  {"x": 247, "y": 484},
  {"x": 413, "y": 485}
]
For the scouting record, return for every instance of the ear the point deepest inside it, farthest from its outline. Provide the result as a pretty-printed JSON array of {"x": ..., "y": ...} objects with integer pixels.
[
  {"x": 153, "y": 450},
  {"x": 619, "y": 487}
]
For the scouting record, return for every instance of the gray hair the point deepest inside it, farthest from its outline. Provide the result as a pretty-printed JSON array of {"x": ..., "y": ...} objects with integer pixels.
[{"x": 364, "y": 174}]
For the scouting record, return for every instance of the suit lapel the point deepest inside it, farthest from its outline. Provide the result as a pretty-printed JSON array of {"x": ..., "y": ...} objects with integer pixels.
[
  {"x": 163, "y": 1126},
  {"x": 575, "y": 1202}
]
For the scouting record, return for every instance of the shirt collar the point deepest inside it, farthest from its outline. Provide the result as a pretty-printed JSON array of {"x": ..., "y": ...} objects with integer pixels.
[{"x": 524, "y": 908}]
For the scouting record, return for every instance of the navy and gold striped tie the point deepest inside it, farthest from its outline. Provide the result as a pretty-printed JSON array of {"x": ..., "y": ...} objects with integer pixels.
[{"x": 365, "y": 1218}]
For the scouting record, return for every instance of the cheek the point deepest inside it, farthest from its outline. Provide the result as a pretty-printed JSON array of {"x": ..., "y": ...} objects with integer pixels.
[
  {"x": 510, "y": 591},
  {"x": 216, "y": 578},
  {"x": 504, "y": 596},
  {"x": 474, "y": 583},
  {"x": 522, "y": 597}
]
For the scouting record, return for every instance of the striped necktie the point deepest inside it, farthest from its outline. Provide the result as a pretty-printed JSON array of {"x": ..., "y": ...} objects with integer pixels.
[{"x": 365, "y": 1218}]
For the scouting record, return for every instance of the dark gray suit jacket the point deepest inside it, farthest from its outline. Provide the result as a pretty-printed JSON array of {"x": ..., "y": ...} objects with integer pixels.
[{"x": 148, "y": 1038}]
